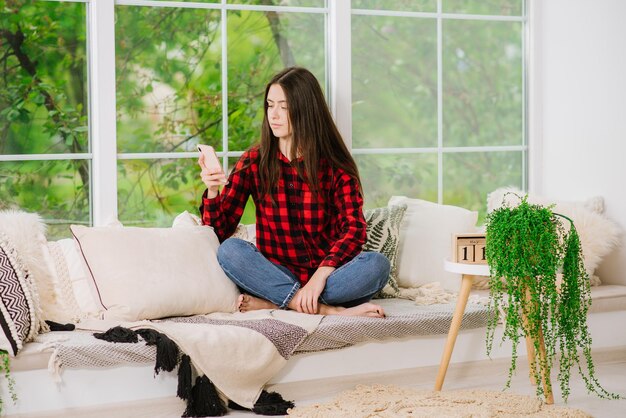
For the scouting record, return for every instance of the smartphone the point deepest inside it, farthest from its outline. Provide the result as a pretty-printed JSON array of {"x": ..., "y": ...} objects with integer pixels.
[
  {"x": 211, "y": 161},
  {"x": 210, "y": 158}
]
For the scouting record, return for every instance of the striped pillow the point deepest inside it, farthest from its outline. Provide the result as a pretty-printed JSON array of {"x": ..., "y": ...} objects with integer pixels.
[
  {"x": 17, "y": 311},
  {"x": 383, "y": 235}
]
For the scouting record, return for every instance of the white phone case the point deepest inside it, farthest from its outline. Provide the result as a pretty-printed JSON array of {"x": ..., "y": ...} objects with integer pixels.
[{"x": 211, "y": 162}]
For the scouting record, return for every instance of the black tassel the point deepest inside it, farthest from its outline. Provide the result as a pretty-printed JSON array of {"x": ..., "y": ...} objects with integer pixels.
[
  {"x": 271, "y": 403},
  {"x": 184, "y": 378},
  {"x": 55, "y": 326},
  {"x": 205, "y": 401},
  {"x": 150, "y": 336},
  {"x": 166, "y": 349},
  {"x": 118, "y": 335},
  {"x": 237, "y": 407},
  {"x": 166, "y": 355},
  {"x": 190, "y": 412}
]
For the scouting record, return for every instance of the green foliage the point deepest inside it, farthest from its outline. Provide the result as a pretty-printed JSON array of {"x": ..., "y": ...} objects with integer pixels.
[
  {"x": 5, "y": 369},
  {"x": 484, "y": 7},
  {"x": 385, "y": 175},
  {"x": 397, "y": 5},
  {"x": 527, "y": 246},
  {"x": 43, "y": 108}
]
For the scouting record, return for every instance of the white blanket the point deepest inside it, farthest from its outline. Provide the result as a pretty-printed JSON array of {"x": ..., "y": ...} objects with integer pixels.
[{"x": 238, "y": 352}]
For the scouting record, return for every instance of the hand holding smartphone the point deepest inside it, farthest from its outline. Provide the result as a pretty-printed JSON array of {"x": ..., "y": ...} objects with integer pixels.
[{"x": 210, "y": 160}]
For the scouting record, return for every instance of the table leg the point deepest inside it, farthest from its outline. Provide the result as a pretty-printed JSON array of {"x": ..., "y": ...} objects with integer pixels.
[
  {"x": 530, "y": 352},
  {"x": 545, "y": 377},
  {"x": 455, "y": 325}
]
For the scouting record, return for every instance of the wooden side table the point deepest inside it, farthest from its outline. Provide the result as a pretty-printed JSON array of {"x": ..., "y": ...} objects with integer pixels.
[{"x": 467, "y": 271}]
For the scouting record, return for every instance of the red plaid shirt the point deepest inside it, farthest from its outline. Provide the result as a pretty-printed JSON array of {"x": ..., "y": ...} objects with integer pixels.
[{"x": 301, "y": 232}]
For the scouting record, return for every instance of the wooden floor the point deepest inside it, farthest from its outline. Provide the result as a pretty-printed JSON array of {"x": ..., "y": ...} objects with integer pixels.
[{"x": 610, "y": 370}]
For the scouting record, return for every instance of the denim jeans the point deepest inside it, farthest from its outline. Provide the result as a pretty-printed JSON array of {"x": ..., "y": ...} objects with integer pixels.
[{"x": 349, "y": 285}]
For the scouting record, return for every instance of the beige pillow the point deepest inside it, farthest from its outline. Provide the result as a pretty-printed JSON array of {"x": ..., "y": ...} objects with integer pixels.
[
  {"x": 149, "y": 273},
  {"x": 426, "y": 240},
  {"x": 77, "y": 297},
  {"x": 187, "y": 219}
]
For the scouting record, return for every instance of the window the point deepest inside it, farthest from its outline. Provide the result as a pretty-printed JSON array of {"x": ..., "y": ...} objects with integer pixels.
[
  {"x": 44, "y": 144},
  {"x": 437, "y": 89},
  {"x": 197, "y": 75},
  {"x": 438, "y": 99}
]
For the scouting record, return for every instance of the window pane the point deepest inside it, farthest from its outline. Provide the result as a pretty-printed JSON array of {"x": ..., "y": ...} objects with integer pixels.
[
  {"x": 195, "y": 1},
  {"x": 397, "y": 5},
  {"x": 168, "y": 79},
  {"x": 43, "y": 88},
  {"x": 383, "y": 176},
  {"x": 259, "y": 45},
  {"x": 484, "y": 7},
  {"x": 469, "y": 176},
  {"x": 394, "y": 82},
  {"x": 54, "y": 189},
  {"x": 291, "y": 3},
  {"x": 482, "y": 83},
  {"x": 153, "y": 192}
]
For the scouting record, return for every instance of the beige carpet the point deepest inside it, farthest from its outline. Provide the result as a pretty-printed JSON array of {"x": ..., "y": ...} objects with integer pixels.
[{"x": 380, "y": 401}]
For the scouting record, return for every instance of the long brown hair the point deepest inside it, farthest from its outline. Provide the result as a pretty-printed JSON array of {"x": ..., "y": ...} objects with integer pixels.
[{"x": 314, "y": 133}]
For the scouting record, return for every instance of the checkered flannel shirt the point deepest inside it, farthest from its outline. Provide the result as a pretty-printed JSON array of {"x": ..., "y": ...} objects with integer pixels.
[{"x": 301, "y": 232}]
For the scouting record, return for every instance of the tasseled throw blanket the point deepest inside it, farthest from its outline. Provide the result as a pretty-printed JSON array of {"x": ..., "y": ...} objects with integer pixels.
[{"x": 238, "y": 353}]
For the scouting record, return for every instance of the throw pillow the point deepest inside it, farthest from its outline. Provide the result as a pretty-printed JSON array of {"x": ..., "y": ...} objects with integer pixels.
[
  {"x": 383, "y": 235},
  {"x": 188, "y": 219},
  {"x": 26, "y": 233},
  {"x": 426, "y": 240},
  {"x": 77, "y": 296},
  {"x": 598, "y": 234},
  {"x": 18, "y": 317},
  {"x": 149, "y": 273}
]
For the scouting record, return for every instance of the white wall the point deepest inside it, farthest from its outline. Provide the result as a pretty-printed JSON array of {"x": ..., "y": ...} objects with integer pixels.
[{"x": 578, "y": 102}]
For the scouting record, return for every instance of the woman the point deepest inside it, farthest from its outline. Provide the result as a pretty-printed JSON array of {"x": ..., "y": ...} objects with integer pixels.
[{"x": 309, "y": 217}]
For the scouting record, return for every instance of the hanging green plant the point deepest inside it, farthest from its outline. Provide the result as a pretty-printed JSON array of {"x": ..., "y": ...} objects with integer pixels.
[
  {"x": 527, "y": 246},
  {"x": 5, "y": 369}
]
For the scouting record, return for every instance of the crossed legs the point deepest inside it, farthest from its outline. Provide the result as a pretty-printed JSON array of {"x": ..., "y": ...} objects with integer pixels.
[{"x": 270, "y": 286}]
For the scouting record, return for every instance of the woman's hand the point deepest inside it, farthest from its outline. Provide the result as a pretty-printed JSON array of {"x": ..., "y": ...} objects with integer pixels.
[
  {"x": 212, "y": 179},
  {"x": 306, "y": 300}
]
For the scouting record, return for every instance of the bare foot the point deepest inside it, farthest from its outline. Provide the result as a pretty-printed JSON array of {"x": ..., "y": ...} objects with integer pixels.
[
  {"x": 247, "y": 303},
  {"x": 365, "y": 309}
]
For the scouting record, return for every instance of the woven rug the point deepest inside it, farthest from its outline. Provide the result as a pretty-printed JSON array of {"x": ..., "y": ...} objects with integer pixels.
[{"x": 380, "y": 401}]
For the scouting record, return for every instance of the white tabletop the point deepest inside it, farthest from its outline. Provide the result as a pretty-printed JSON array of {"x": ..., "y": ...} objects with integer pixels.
[{"x": 475, "y": 269}]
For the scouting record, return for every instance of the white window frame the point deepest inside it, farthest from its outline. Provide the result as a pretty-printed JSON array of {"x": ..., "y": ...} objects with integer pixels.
[{"x": 102, "y": 110}]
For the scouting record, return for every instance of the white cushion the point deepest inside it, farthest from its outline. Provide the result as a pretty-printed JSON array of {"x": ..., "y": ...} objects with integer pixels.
[
  {"x": 149, "y": 273},
  {"x": 426, "y": 240},
  {"x": 77, "y": 297},
  {"x": 507, "y": 195},
  {"x": 187, "y": 219}
]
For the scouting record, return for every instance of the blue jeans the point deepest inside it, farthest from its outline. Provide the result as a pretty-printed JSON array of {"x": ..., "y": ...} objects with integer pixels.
[{"x": 349, "y": 285}]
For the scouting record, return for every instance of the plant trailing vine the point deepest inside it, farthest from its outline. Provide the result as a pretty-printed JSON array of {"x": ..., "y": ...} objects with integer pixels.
[
  {"x": 5, "y": 369},
  {"x": 526, "y": 247}
]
